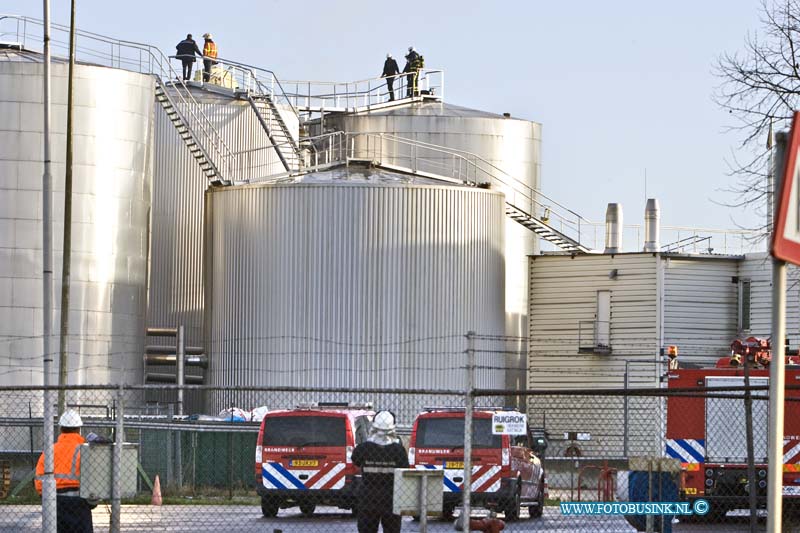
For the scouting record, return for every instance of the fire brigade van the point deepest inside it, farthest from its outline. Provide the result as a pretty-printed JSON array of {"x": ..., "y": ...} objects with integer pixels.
[
  {"x": 707, "y": 433},
  {"x": 506, "y": 471},
  {"x": 303, "y": 456}
]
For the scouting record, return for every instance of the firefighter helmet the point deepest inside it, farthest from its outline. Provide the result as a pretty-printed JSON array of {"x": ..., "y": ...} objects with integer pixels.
[
  {"x": 70, "y": 419},
  {"x": 383, "y": 421}
]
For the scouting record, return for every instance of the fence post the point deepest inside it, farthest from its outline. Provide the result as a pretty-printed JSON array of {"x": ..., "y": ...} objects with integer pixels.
[
  {"x": 116, "y": 460},
  {"x": 468, "y": 399}
]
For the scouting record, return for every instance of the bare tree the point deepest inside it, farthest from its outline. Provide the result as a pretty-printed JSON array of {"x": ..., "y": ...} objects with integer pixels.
[{"x": 760, "y": 86}]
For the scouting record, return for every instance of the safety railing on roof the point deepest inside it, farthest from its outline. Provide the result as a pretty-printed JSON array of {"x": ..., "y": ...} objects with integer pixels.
[
  {"x": 132, "y": 56},
  {"x": 321, "y": 96},
  {"x": 682, "y": 239}
]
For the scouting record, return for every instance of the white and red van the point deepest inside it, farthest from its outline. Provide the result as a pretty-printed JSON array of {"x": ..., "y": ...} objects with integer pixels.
[
  {"x": 303, "y": 456},
  {"x": 506, "y": 472}
]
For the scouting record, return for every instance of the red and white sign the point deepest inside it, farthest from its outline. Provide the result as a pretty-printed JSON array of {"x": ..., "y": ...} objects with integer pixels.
[{"x": 786, "y": 235}]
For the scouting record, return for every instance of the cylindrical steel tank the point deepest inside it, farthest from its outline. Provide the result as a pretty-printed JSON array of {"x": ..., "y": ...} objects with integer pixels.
[
  {"x": 352, "y": 278},
  {"x": 652, "y": 226},
  {"x": 111, "y": 206},
  {"x": 613, "y": 229},
  {"x": 512, "y": 144}
]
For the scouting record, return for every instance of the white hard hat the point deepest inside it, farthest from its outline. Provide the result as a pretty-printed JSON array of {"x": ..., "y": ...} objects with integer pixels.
[
  {"x": 388, "y": 56},
  {"x": 207, "y": 36},
  {"x": 383, "y": 421},
  {"x": 70, "y": 419}
]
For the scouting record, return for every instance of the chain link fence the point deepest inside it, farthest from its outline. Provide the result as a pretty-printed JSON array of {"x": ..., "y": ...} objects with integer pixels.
[{"x": 285, "y": 462}]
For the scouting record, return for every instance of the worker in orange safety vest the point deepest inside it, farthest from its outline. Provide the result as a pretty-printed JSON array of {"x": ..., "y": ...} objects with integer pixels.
[
  {"x": 73, "y": 513},
  {"x": 209, "y": 55}
]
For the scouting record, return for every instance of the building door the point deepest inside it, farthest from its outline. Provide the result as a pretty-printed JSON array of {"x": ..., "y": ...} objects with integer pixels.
[{"x": 602, "y": 327}]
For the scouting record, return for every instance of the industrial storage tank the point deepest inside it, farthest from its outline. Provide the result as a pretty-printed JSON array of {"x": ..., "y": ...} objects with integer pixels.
[
  {"x": 511, "y": 144},
  {"x": 176, "y": 284},
  {"x": 111, "y": 206},
  {"x": 353, "y": 277}
]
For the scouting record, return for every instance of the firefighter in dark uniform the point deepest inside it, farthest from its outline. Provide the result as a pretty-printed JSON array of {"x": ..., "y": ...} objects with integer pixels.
[
  {"x": 390, "y": 70},
  {"x": 187, "y": 49},
  {"x": 73, "y": 513},
  {"x": 377, "y": 458},
  {"x": 412, "y": 68}
]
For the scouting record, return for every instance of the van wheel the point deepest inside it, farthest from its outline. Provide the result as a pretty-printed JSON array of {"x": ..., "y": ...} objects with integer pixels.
[
  {"x": 537, "y": 510},
  {"x": 269, "y": 506},
  {"x": 307, "y": 509},
  {"x": 511, "y": 509}
]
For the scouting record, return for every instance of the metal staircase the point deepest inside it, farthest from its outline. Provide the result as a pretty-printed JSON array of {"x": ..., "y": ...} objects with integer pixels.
[
  {"x": 275, "y": 128},
  {"x": 544, "y": 231},
  {"x": 196, "y": 148}
]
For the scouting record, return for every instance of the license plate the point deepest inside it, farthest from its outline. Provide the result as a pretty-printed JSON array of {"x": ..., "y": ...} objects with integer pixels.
[
  {"x": 454, "y": 464},
  {"x": 303, "y": 462}
]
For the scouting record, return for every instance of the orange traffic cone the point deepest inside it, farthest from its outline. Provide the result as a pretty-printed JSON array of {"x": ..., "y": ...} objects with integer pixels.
[{"x": 156, "y": 500}]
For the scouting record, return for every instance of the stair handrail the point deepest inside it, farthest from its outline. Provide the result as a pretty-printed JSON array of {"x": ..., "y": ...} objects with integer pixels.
[
  {"x": 461, "y": 166},
  {"x": 151, "y": 61},
  {"x": 318, "y": 94}
]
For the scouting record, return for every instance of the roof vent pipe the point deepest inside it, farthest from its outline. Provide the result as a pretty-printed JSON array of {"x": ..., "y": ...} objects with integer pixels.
[
  {"x": 613, "y": 229},
  {"x": 652, "y": 225}
]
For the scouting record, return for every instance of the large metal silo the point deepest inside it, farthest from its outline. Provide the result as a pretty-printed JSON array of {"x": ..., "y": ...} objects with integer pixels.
[
  {"x": 352, "y": 278},
  {"x": 511, "y": 144},
  {"x": 111, "y": 206}
]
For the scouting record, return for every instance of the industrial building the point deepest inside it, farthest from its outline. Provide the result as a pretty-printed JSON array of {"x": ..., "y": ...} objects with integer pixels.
[{"x": 607, "y": 320}]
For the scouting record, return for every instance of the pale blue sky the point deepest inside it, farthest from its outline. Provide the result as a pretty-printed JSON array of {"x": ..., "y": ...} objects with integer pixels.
[{"x": 619, "y": 86}]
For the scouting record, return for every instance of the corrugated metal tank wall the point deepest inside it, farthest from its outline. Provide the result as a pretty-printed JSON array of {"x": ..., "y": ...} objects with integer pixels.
[
  {"x": 176, "y": 284},
  {"x": 351, "y": 285},
  {"x": 111, "y": 204},
  {"x": 514, "y": 145}
]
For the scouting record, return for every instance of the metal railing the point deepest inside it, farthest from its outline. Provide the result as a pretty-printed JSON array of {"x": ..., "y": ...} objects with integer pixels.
[
  {"x": 692, "y": 239},
  {"x": 320, "y": 96}
]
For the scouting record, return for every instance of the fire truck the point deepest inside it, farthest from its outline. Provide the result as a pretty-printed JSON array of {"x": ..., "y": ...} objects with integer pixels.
[{"x": 707, "y": 433}]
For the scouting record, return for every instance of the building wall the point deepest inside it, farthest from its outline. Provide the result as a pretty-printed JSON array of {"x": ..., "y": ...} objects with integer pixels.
[
  {"x": 563, "y": 292},
  {"x": 758, "y": 269},
  {"x": 700, "y": 306}
]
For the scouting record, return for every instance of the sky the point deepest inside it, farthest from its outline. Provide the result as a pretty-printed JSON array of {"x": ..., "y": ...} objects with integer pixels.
[{"x": 623, "y": 88}]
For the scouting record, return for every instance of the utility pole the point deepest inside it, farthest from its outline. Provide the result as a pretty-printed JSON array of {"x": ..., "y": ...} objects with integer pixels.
[
  {"x": 777, "y": 375},
  {"x": 48, "y": 479},
  {"x": 67, "y": 255}
]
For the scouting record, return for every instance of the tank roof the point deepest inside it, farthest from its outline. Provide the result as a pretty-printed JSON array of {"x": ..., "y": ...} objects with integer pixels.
[
  {"x": 14, "y": 52},
  {"x": 439, "y": 109},
  {"x": 364, "y": 174}
]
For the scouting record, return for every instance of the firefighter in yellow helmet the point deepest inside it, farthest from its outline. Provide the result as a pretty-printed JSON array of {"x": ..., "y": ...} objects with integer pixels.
[
  {"x": 209, "y": 55},
  {"x": 73, "y": 513}
]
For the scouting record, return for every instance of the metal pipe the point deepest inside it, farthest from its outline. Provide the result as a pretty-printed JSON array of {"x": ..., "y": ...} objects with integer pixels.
[
  {"x": 468, "y": 400},
  {"x": 652, "y": 228},
  {"x": 613, "y": 229},
  {"x": 116, "y": 465},
  {"x": 751, "y": 467},
  {"x": 48, "y": 481},
  {"x": 777, "y": 366},
  {"x": 181, "y": 365},
  {"x": 67, "y": 246}
]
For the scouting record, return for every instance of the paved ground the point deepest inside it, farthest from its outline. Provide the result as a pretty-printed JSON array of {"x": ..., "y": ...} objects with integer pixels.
[{"x": 244, "y": 519}]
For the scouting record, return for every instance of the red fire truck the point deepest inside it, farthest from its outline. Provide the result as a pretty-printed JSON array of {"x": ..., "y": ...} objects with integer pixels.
[{"x": 707, "y": 434}]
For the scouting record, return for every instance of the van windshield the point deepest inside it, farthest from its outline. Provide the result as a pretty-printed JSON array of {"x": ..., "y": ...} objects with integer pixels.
[
  {"x": 449, "y": 433},
  {"x": 304, "y": 431}
]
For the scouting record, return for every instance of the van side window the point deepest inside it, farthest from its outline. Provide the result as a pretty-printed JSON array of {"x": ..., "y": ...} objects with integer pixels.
[{"x": 362, "y": 429}]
